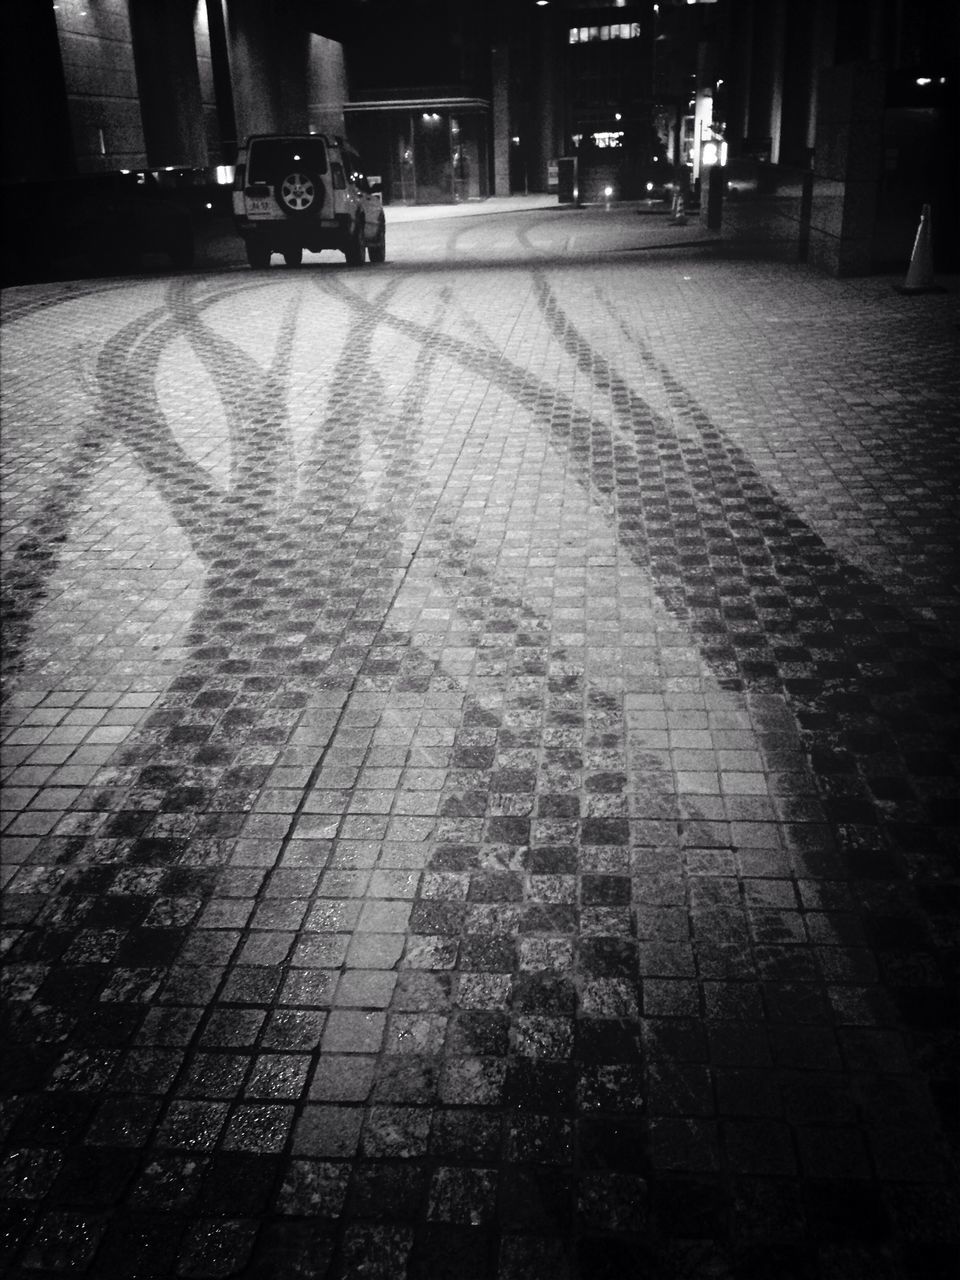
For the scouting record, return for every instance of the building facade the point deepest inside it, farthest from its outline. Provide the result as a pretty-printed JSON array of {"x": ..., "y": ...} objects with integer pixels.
[
  {"x": 841, "y": 120},
  {"x": 94, "y": 86}
]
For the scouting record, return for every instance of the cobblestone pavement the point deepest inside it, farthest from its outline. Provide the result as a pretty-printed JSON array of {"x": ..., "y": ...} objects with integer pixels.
[{"x": 480, "y": 789}]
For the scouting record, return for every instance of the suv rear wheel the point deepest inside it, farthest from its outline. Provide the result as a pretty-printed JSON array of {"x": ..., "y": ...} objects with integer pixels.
[{"x": 293, "y": 256}]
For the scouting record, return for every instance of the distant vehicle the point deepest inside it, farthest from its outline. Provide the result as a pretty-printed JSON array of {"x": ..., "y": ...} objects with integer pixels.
[
  {"x": 96, "y": 223},
  {"x": 295, "y": 192}
]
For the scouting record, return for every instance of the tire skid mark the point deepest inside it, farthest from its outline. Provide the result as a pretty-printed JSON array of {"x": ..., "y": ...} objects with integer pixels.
[
  {"x": 651, "y": 439},
  {"x": 124, "y": 379}
]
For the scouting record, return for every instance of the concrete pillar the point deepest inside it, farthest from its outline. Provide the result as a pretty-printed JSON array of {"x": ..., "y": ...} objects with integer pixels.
[
  {"x": 96, "y": 53},
  {"x": 766, "y": 85},
  {"x": 740, "y": 55},
  {"x": 796, "y": 136},
  {"x": 326, "y": 85},
  {"x": 848, "y": 164},
  {"x": 500, "y": 79},
  {"x": 823, "y": 38},
  {"x": 168, "y": 82},
  {"x": 269, "y": 66},
  {"x": 215, "y": 85},
  {"x": 543, "y": 100},
  {"x": 34, "y": 95}
]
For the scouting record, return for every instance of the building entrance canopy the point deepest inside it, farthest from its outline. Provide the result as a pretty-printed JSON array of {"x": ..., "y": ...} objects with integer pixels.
[{"x": 426, "y": 150}]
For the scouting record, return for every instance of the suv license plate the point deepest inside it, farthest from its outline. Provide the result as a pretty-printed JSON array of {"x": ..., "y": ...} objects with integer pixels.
[{"x": 259, "y": 206}]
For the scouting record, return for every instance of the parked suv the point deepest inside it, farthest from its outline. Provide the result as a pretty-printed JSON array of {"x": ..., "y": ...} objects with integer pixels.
[{"x": 296, "y": 192}]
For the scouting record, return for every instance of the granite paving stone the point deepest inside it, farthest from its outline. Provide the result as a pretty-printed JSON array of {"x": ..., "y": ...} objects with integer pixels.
[{"x": 479, "y": 776}]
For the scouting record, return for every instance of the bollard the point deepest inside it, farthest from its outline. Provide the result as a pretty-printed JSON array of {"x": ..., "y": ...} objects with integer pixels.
[{"x": 711, "y": 208}]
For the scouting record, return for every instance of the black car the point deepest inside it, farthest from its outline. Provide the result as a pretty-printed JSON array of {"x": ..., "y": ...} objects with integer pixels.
[{"x": 95, "y": 224}]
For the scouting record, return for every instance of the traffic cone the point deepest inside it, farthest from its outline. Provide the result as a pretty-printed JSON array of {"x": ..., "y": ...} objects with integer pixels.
[{"x": 920, "y": 272}]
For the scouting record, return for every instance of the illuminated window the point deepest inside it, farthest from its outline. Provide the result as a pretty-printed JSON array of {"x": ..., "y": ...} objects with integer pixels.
[
  {"x": 608, "y": 138},
  {"x": 615, "y": 31}
]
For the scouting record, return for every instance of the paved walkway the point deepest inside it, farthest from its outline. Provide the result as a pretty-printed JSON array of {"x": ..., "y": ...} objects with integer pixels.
[{"x": 480, "y": 790}]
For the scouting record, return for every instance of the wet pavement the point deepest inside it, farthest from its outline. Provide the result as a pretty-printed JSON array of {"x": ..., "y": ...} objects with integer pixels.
[{"x": 480, "y": 768}]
